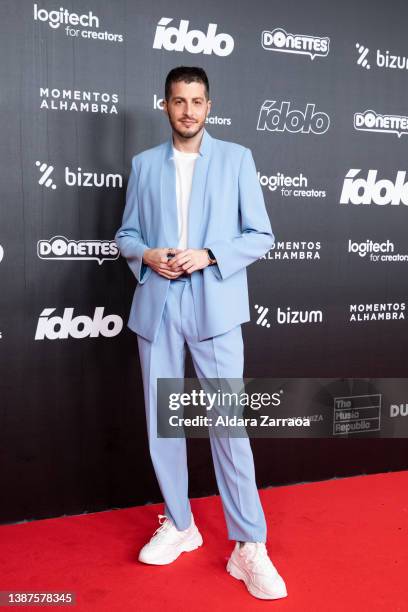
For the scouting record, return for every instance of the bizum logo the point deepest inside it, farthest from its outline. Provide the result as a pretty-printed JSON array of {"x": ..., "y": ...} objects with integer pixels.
[
  {"x": 360, "y": 190},
  {"x": 46, "y": 171},
  {"x": 383, "y": 59},
  {"x": 78, "y": 178},
  {"x": 289, "y": 316},
  {"x": 362, "y": 56},
  {"x": 193, "y": 41},
  {"x": 262, "y": 311}
]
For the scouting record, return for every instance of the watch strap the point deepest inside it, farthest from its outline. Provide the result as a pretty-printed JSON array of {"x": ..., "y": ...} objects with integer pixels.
[{"x": 211, "y": 257}]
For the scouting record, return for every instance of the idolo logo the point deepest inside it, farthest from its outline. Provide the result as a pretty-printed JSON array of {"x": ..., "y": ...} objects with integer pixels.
[
  {"x": 193, "y": 41},
  {"x": 59, "y": 328},
  {"x": 370, "y": 191},
  {"x": 276, "y": 117}
]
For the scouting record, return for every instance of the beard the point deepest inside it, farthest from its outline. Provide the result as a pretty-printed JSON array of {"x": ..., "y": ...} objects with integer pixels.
[{"x": 184, "y": 131}]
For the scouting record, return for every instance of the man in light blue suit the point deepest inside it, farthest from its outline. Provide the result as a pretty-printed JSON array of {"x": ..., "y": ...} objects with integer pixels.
[{"x": 194, "y": 219}]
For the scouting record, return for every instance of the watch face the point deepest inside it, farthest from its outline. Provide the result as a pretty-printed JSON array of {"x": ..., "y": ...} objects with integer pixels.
[{"x": 211, "y": 254}]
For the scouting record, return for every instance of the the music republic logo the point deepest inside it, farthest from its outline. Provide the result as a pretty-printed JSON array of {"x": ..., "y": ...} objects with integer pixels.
[
  {"x": 301, "y": 44},
  {"x": 62, "y": 248}
]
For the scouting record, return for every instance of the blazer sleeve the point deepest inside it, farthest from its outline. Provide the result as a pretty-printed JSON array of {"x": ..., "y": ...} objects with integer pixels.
[
  {"x": 129, "y": 237},
  {"x": 256, "y": 237}
]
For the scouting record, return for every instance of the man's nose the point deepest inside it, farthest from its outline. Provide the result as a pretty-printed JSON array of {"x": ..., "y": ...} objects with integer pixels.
[{"x": 189, "y": 109}]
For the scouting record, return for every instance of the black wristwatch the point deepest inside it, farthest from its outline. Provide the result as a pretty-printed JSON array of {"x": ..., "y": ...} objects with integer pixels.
[{"x": 211, "y": 257}]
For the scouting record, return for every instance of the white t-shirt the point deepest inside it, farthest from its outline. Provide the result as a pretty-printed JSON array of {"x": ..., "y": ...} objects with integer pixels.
[{"x": 184, "y": 163}]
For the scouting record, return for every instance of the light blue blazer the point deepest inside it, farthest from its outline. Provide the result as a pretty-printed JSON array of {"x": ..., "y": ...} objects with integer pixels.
[{"x": 226, "y": 214}]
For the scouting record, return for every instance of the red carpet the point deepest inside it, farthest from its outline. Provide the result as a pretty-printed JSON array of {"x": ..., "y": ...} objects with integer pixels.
[{"x": 339, "y": 544}]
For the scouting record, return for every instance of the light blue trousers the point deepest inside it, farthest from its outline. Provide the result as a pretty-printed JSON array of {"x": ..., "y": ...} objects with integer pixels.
[{"x": 221, "y": 356}]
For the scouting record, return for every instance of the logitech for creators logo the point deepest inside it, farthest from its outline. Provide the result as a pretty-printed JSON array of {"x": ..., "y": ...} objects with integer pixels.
[{"x": 62, "y": 16}]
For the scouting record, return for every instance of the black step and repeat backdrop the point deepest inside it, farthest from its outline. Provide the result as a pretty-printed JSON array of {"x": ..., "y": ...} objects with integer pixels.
[{"x": 318, "y": 92}]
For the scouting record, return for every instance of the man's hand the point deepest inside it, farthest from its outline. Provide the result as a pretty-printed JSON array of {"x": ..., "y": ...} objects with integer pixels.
[
  {"x": 157, "y": 260},
  {"x": 189, "y": 260},
  {"x": 185, "y": 260}
]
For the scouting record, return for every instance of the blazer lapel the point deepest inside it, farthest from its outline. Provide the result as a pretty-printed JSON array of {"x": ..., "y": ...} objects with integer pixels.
[
  {"x": 168, "y": 198},
  {"x": 197, "y": 200}
]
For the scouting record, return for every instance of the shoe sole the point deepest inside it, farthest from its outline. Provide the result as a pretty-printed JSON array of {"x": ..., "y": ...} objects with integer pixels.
[
  {"x": 237, "y": 573},
  {"x": 188, "y": 546}
]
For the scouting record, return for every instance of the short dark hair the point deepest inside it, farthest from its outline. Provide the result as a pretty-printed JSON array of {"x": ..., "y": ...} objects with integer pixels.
[{"x": 188, "y": 74}]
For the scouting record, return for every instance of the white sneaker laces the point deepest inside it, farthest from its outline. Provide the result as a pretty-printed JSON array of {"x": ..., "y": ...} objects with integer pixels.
[
  {"x": 259, "y": 559},
  {"x": 164, "y": 527}
]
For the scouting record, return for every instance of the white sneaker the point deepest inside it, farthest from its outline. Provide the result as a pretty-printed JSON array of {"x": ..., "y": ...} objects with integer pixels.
[
  {"x": 252, "y": 564},
  {"x": 167, "y": 542}
]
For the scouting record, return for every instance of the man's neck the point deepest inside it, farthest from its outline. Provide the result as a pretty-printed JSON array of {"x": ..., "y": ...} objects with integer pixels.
[{"x": 188, "y": 145}]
